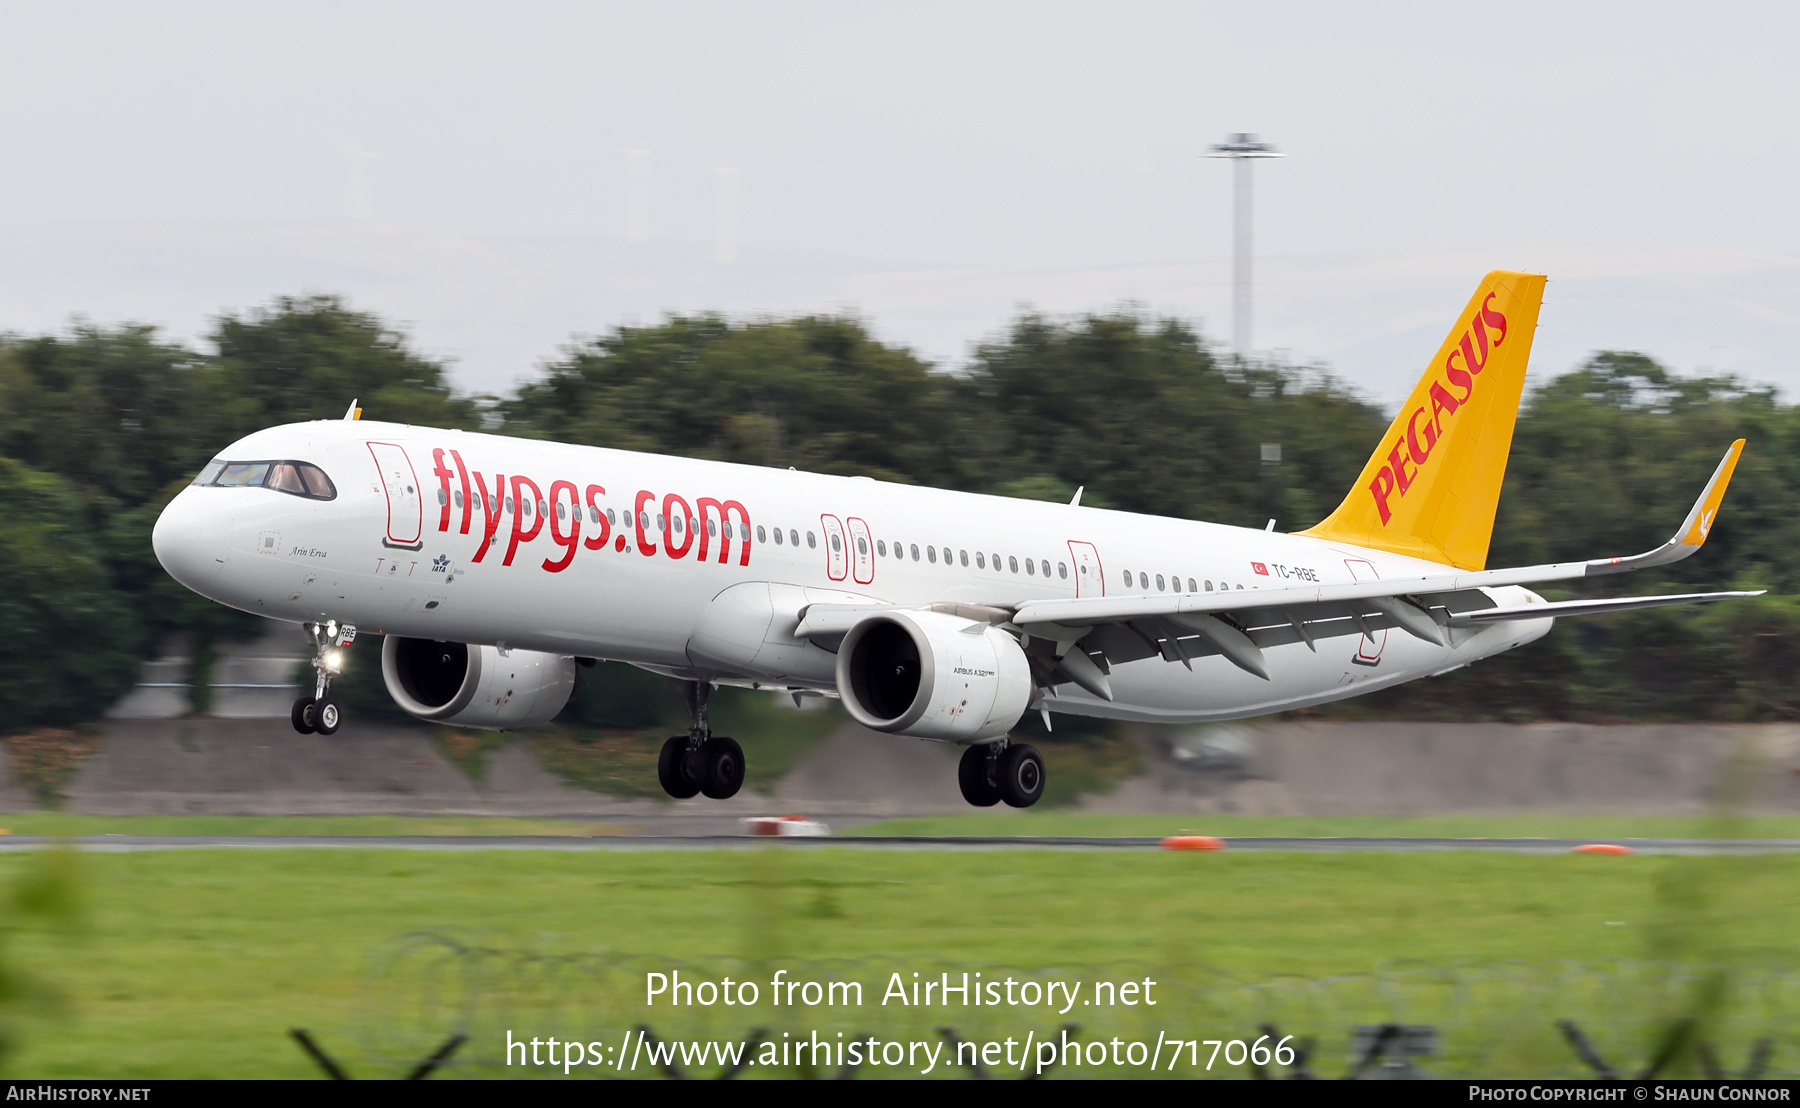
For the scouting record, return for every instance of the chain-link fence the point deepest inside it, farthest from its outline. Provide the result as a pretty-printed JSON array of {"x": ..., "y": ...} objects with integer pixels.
[{"x": 842, "y": 1018}]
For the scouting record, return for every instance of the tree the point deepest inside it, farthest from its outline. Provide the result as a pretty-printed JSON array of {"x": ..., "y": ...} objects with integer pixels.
[
  {"x": 72, "y": 643},
  {"x": 814, "y": 393}
]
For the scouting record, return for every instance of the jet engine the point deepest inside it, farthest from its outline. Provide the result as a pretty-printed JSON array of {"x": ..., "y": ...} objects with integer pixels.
[
  {"x": 476, "y": 686},
  {"x": 933, "y": 676}
]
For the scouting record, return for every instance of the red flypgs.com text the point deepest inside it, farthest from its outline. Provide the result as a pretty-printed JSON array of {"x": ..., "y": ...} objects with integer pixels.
[
  {"x": 1425, "y": 428},
  {"x": 701, "y": 521}
]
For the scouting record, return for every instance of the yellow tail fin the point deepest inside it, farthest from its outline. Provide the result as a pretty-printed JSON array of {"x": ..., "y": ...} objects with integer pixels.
[{"x": 1430, "y": 489}]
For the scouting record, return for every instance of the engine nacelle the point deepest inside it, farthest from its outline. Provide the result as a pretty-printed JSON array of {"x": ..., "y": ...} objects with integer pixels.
[
  {"x": 933, "y": 676},
  {"x": 476, "y": 686}
]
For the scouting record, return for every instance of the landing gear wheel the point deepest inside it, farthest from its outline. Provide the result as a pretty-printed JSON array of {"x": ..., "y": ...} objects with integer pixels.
[
  {"x": 1021, "y": 775},
  {"x": 724, "y": 761},
  {"x": 326, "y": 716},
  {"x": 972, "y": 775},
  {"x": 302, "y": 715},
  {"x": 671, "y": 772}
]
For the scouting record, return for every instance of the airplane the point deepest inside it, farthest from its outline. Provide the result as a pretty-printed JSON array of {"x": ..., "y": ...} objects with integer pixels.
[{"x": 495, "y": 567}]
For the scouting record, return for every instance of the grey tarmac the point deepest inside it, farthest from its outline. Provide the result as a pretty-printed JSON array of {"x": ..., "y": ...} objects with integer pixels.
[{"x": 132, "y": 843}]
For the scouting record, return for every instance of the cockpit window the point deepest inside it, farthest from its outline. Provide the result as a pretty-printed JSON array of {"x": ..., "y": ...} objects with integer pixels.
[
  {"x": 294, "y": 478},
  {"x": 243, "y": 473}
]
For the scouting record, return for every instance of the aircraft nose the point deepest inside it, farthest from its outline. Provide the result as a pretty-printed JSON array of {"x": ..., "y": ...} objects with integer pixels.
[{"x": 192, "y": 538}]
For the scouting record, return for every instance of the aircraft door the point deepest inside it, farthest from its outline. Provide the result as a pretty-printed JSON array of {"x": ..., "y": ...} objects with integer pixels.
[
  {"x": 836, "y": 557},
  {"x": 406, "y": 507},
  {"x": 1089, "y": 579},
  {"x": 862, "y": 551},
  {"x": 1368, "y": 648}
]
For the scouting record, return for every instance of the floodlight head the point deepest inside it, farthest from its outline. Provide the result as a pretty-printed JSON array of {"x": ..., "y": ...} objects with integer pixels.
[{"x": 1243, "y": 144}]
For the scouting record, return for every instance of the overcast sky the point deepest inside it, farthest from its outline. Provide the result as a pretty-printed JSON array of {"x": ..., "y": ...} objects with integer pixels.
[{"x": 987, "y": 135}]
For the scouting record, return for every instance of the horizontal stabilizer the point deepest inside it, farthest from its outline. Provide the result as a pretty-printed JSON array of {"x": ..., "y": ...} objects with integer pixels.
[{"x": 1593, "y": 607}]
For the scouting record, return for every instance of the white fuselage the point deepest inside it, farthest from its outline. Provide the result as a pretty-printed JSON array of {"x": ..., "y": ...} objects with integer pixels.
[{"x": 404, "y": 549}]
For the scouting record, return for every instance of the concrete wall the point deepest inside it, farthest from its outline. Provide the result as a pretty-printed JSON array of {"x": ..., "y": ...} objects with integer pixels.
[{"x": 260, "y": 766}]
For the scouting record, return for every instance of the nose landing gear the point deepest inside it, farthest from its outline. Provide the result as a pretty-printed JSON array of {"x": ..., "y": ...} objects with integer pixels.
[
  {"x": 699, "y": 762},
  {"x": 321, "y": 713}
]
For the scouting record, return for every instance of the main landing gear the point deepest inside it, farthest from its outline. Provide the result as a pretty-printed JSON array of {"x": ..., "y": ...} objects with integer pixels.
[
  {"x": 320, "y": 713},
  {"x": 699, "y": 762},
  {"x": 1001, "y": 770}
]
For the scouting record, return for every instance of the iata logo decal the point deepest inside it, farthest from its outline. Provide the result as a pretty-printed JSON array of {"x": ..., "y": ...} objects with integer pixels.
[
  {"x": 1259, "y": 568},
  {"x": 1425, "y": 429}
]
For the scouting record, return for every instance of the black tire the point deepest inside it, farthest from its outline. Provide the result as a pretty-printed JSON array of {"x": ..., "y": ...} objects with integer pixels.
[
  {"x": 671, "y": 773},
  {"x": 1021, "y": 775},
  {"x": 327, "y": 715},
  {"x": 972, "y": 776},
  {"x": 724, "y": 775},
  {"x": 302, "y": 715}
]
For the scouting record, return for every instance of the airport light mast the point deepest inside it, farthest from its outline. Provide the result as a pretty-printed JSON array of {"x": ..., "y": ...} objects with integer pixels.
[{"x": 1242, "y": 149}]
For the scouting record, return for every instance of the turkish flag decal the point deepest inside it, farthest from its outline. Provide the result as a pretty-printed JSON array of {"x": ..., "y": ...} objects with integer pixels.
[{"x": 1260, "y": 568}]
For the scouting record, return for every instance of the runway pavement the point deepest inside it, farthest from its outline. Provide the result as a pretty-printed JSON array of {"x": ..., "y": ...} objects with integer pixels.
[{"x": 131, "y": 843}]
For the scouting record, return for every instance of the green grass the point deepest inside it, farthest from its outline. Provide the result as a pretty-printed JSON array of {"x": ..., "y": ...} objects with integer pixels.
[
  {"x": 196, "y": 963},
  {"x": 67, "y": 823},
  {"x": 1544, "y": 826}
]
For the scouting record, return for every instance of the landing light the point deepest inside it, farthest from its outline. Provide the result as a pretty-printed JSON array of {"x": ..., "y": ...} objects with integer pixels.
[{"x": 334, "y": 661}]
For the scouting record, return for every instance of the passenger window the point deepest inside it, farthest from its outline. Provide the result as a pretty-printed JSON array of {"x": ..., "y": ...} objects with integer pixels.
[
  {"x": 1030, "y": 567},
  {"x": 1191, "y": 587},
  {"x": 662, "y": 523},
  {"x": 1046, "y": 567},
  {"x": 644, "y": 519},
  {"x": 509, "y": 505},
  {"x": 457, "y": 498},
  {"x": 793, "y": 537},
  {"x": 1128, "y": 579},
  {"x": 980, "y": 560},
  {"x": 209, "y": 472},
  {"x": 915, "y": 551},
  {"x": 762, "y": 536},
  {"x": 1240, "y": 588},
  {"x": 811, "y": 543},
  {"x": 931, "y": 554},
  {"x": 1062, "y": 570},
  {"x": 676, "y": 522},
  {"x": 777, "y": 534},
  {"x": 948, "y": 559},
  {"x": 1013, "y": 564},
  {"x": 962, "y": 556},
  {"x": 1175, "y": 583},
  {"x": 862, "y": 547},
  {"x": 593, "y": 514},
  {"x": 836, "y": 544},
  {"x": 1208, "y": 586},
  {"x": 610, "y": 518},
  {"x": 543, "y": 509},
  {"x": 996, "y": 560},
  {"x": 562, "y": 510},
  {"x": 881, "y": 547}
]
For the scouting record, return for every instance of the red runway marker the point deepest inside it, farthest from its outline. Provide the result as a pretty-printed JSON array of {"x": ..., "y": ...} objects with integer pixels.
[{"x": 1193, "y": 842}]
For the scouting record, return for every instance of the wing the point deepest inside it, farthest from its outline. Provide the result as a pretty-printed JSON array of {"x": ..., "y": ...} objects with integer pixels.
[{"x": 1080, "y": 640}]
